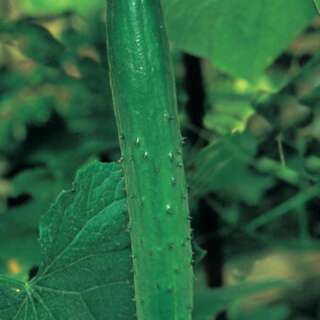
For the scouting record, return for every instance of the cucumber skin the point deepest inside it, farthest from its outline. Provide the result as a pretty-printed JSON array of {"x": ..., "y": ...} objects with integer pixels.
[{"x": 144, "y": 99}]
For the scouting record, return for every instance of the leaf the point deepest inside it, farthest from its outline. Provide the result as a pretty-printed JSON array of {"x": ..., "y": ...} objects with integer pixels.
[
  {"x": 19, "y": 225},
  {"x": 241, "y": 37},
  {"x": 86, "y": 269}
]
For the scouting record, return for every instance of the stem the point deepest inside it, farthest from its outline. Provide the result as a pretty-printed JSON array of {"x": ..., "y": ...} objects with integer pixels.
[{"x": 145, "y": 107}]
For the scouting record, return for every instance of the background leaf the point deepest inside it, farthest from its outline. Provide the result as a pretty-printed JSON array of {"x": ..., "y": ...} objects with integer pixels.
[{"x": 241, "y": 37}]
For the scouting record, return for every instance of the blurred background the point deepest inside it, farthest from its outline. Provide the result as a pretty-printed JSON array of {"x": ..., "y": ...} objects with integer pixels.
[{"x": 248, "y": 112}]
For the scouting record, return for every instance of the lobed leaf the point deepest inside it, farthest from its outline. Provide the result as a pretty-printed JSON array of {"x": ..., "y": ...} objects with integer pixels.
[{"x": 86, "y": 269}]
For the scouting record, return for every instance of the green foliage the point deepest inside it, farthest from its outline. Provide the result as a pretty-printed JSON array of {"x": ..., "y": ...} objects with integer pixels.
[
  {"x": 257, "y": 166},
  {"x": 52, "y": 120},
  {"x": 245, "y": 36},
  {"x": 86, "y": 263},
  {"x": 244, "y": 39}
]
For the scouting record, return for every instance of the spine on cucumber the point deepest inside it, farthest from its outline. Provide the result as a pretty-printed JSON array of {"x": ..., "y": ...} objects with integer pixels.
[{"x": 144, "y": 101}]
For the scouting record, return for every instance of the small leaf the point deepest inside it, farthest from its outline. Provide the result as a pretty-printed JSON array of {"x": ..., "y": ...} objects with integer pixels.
[{"x": 86, "y": 269}]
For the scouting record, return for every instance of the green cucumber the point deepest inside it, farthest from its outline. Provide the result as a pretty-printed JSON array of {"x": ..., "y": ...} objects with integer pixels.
[{"x": 145, "y": 106}]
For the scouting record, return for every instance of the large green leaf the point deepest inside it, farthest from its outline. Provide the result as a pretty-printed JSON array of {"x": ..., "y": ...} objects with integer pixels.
[
  {"x": 86, "y": 269},
  {"x": 241, "y": 37}
]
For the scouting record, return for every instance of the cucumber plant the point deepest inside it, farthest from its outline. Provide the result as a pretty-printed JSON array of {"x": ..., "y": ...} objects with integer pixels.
[
  {"x": 96, "y": 264},
  {"x": 144, "y": 101}
]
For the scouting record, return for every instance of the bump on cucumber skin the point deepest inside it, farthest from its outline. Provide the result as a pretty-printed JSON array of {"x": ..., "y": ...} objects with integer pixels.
[{"x": 144, "y": 100}]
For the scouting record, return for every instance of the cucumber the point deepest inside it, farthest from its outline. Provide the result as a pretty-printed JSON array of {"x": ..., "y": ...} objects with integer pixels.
[{"x": 144, "y": 100}]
